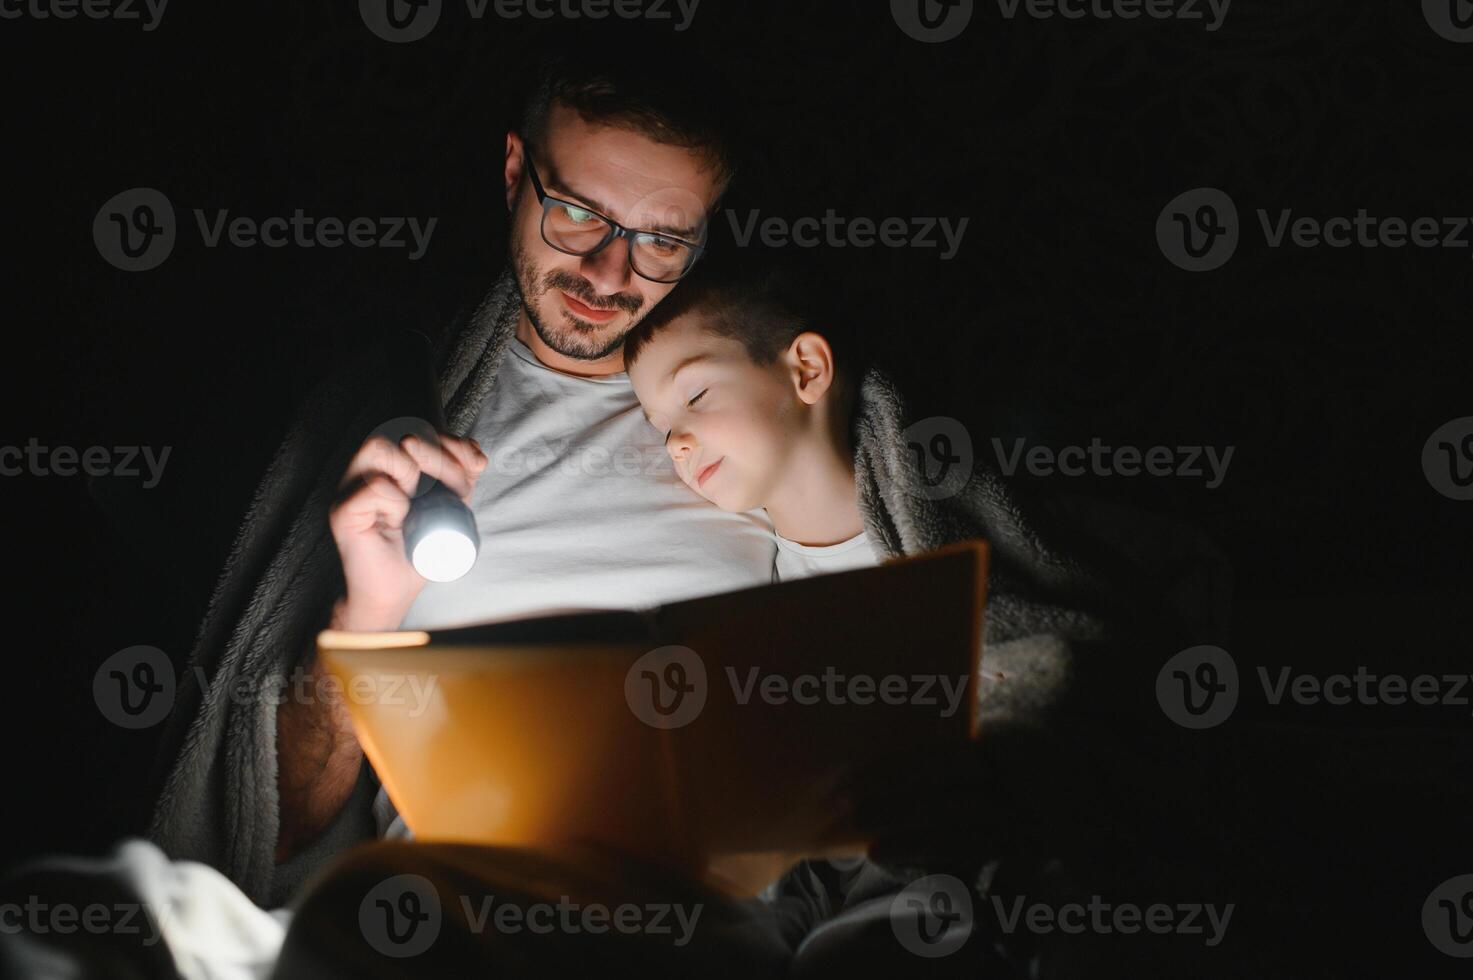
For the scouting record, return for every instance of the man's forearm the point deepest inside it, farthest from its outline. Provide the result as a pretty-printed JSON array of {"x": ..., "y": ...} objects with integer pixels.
[{"x": 318, "y": 756}]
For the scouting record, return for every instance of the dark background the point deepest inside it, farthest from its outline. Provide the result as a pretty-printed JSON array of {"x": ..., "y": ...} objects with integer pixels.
[{"x": 1058, "y": 321}]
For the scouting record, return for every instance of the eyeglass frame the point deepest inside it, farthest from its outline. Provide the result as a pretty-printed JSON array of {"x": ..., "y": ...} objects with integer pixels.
[{"x": 616, "y": 230}]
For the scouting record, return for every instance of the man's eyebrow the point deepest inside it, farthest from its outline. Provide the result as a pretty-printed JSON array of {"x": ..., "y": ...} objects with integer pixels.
[{"x": 553, "y": 183}]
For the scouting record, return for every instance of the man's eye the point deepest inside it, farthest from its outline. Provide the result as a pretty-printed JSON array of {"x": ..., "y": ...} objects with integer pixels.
[{"x": 577, "y": 215}]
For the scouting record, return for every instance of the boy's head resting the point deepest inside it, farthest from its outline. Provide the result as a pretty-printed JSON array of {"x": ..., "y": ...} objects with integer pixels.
[{"x": 762, "y": 395}]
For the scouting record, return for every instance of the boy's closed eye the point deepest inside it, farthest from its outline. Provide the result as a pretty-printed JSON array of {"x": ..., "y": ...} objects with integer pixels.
[{"x": 688, "y": 405}]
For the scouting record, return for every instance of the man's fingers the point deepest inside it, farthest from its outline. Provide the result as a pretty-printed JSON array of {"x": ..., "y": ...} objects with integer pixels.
[
  {"x": 441, "y": 463},
  {"x": 377, "y": 500},
  {"x": 468, "y": 452},
  {"x": 382, "y": 455}
]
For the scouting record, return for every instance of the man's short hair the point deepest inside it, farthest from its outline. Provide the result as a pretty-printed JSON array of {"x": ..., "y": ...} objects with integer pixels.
[{"x": 668, "y": 99}]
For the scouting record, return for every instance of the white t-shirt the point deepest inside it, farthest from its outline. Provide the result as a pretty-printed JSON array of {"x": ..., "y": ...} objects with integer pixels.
[
  {"x": 796, "y": 560},
  {"x": 580, "y": 507}
]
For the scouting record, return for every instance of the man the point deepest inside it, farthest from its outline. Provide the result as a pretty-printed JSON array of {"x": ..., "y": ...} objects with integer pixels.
[
  {"x": 609, "y": 184},
  {"x": 583, "y": 507}
]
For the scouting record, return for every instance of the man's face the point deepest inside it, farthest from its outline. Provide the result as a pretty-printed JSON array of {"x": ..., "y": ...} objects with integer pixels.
[
  {"x": 582, "y": 306},
  {"x": 721, "y": 409}
]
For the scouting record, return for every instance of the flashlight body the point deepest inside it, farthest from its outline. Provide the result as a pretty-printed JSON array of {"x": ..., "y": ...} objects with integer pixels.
[{"x": 437, "y": 509}]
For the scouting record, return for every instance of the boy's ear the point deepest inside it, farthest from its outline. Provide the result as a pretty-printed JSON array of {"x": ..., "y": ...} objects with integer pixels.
[
  {"x": 812, "y": 359},
  {"x": 513, "y": 168}
]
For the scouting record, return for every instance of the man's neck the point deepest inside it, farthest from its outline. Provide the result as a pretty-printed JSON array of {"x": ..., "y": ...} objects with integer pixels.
[
  {"x": 818, "y": 504},
  {"x": 602, "y": 368}
]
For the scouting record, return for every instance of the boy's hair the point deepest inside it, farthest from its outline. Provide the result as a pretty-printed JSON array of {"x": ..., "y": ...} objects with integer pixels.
[
  {"x": 678, "y": 104},
  {"x": 761, "y": 306}
]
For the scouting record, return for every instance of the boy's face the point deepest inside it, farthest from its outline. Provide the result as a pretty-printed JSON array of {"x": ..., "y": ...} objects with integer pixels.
[{"x": 722, "y": 409}]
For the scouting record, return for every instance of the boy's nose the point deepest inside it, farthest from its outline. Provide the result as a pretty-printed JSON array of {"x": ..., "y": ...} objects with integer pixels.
[{"x": 681, "y": 445}]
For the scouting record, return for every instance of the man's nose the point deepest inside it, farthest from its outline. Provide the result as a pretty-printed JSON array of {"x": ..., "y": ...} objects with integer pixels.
[{"x": 608, "y": 270}]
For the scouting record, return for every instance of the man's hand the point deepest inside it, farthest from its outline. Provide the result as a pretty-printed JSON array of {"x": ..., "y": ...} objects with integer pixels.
[
  {"x": 368, "y": 521},
  {"x": 317, "y": 753}
]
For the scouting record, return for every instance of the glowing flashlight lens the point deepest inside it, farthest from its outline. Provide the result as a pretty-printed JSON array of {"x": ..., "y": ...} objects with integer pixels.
[{"x": 444, "y": 555}]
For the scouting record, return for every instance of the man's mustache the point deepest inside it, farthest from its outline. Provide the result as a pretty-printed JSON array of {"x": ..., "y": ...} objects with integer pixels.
[{"x": 582, "y": 291}]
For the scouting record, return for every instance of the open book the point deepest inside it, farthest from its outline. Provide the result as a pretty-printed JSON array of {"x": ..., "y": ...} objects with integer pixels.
[{"x": 717, "y": 735}]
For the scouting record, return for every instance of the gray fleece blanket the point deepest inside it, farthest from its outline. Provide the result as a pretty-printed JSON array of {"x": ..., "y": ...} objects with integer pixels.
[{"x": 219, "y": 804}]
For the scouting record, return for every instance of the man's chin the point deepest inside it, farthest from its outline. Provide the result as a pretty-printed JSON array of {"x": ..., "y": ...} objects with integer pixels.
[{"x": 572, "y": 336}]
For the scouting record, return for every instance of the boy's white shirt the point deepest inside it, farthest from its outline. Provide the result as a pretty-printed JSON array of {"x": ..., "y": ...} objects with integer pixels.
[{"x": 796, "y": 560}]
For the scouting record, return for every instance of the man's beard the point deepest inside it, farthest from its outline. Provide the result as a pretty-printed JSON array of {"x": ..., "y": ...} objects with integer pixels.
[{"x": 567, "y": 336}]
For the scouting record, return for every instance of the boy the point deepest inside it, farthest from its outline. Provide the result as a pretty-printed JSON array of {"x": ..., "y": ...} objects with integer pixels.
[{"x": 757, "y": 412}]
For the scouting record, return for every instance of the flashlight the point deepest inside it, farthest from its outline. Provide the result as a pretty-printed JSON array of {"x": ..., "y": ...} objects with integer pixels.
[{"x": 440, "y": 535}]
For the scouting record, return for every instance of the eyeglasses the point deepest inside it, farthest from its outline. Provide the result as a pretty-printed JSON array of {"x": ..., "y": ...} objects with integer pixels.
[{"x": 576, "y": 230}]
